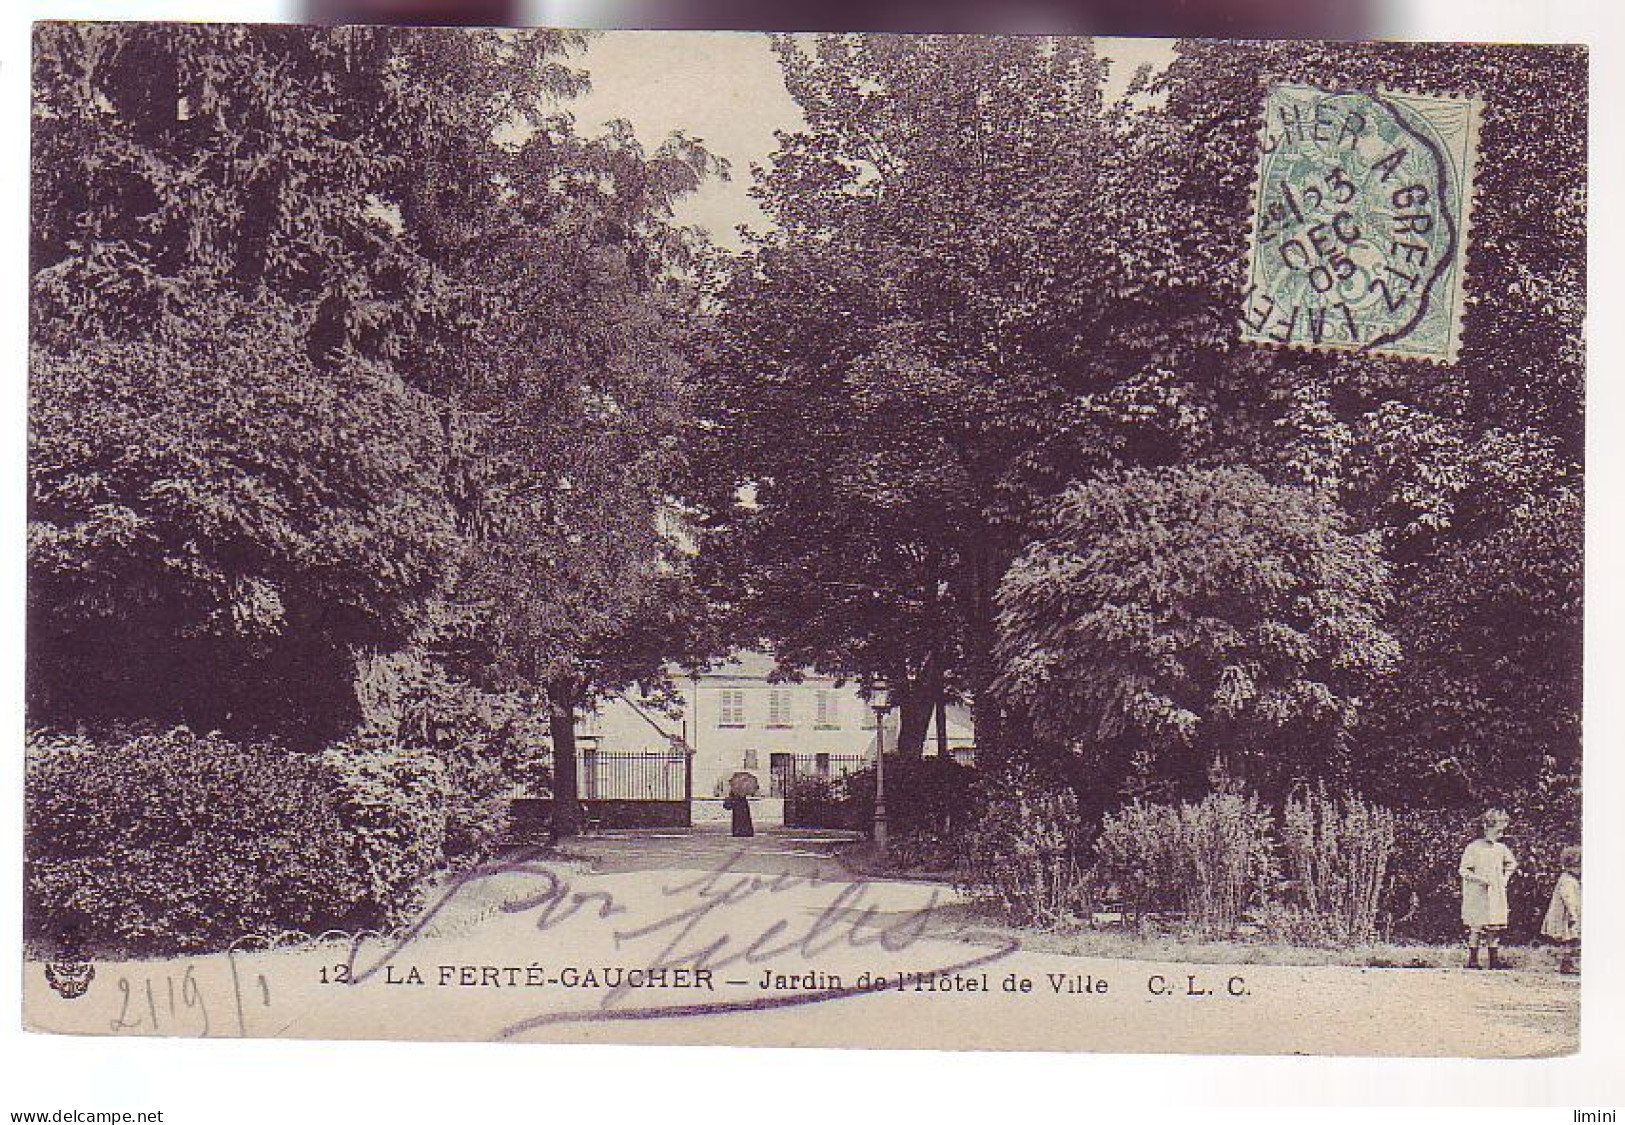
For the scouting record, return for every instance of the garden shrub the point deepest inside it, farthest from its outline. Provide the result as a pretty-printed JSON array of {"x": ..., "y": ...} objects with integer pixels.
[
  {"x": 935, "y": 795},
  {"x": 1214, "y": 858},
  {"x": 929, "y": 801},
  {"x": 485, "y": 741},
  {"x": 392, "y": 803},
  {"x": 164, "y": 842},
  {"x": 1337, "y": 856},
  {"x": 814, "y": 801},
  {"x": 1424, "y": 897},
  {"x": 1230, "y": 855},
  {"x": 1138, "y": 856},
  {"x": 809, "y": 787},
  {"x": 1021, "y": 853}
]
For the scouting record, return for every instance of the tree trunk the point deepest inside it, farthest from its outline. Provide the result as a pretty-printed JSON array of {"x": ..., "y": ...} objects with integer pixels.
[
  {"x": 913, "y": 720},
  {"x": 561, "y": 723},
  {"x": 981, "y": 579},
  {"x": 917, "y": 699},
  {"x": 942, "y": 726}
]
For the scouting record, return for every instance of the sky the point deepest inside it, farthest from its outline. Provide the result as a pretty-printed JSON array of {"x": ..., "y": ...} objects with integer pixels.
[
  {"x": 720, "y": 87},
  {"x": 724, "y": 88}
]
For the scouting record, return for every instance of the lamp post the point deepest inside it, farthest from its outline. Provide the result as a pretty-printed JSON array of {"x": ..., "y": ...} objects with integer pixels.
[{"x": 880, "y": 700}]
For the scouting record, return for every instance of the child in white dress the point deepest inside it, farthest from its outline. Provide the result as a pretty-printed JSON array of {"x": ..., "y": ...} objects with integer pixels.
[
  {"x": 1562, "y": 922},
  {"x": 1486, "y": 867}
]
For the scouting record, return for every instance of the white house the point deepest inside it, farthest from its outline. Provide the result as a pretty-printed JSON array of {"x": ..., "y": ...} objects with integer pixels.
[{"x": 735, "y": 718}]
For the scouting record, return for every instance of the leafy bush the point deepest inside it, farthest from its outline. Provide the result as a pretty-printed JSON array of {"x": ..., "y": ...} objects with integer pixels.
[
  {"x": 1424, "y": 898},
  {"x": 1022, "y": 852},
  {"x": 1187, "y": 610},
  {"x": 806, "y": 787},
  {"x": 929, "y": 801},
  {"x": 392, "y": 804},
  {"x": 814, "y": 801},
  {"x": 484, "y": 740},
  {"x": 931, "y": 796},
  {"x": 1337, "y": 854},
  {"x": 173, "y": 842},
  {"x": 1139, "y": 856},
  {"x": 1214, "y": 858},
  {"x": 167, "y": 842}
]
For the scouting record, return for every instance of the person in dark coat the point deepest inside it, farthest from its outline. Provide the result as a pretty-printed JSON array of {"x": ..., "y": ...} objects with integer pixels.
[{"x": 739, "y": 805}]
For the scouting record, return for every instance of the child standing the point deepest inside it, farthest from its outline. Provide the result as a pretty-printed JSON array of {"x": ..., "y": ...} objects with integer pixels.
[
  {"x": 1486, "y": 868},
  {"x": 1562, "y": 922}
]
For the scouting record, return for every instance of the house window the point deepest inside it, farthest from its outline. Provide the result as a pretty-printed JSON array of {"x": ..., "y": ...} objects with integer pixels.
[
  {"x": 829, "y": 710},
  {"x": 752, "y": 762},
  {"x": 731, "y": 708},
  {"x": 778, "y": 708}
]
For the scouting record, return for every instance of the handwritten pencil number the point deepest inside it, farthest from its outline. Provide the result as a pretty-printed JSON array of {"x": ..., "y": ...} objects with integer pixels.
[{"x": 140, "y": 1007}]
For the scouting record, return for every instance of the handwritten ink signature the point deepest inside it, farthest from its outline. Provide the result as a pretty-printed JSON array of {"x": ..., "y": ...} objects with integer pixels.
[{"x": 849, "y": 918}]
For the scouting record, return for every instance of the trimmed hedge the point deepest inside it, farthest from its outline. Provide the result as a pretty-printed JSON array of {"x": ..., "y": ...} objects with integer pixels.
[{"x": 171, "y": 842}]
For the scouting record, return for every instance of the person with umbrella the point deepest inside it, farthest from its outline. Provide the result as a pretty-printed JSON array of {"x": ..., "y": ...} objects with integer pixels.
[{"x": 742, "y": 787}]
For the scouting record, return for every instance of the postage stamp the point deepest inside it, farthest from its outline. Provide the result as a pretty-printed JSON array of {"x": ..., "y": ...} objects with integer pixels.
[{"x": 1360, "y": 222}]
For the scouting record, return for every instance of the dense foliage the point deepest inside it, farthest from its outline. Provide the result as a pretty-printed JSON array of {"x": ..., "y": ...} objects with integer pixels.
[
  {"x": 930, "y": 803},
  {"x": 348, "y": 344},
  {"x": 1179, "y": 623},
  {"x": 1212, "y": 860},
  {"x": 1423, "y": 901},
  {"x": 1026, "y": 852},
  {"x": 886, "y": 361},
  {"x": 380, "y": 418},
  {"x": 214, "y": 525},
  {"x": 170, "y": 841},
  {"x": 988, "y": 297},
  {"x": 142, "y": 843},
  {"x": 1470, "y": 472},
  {"x": 394, "y": 807}
]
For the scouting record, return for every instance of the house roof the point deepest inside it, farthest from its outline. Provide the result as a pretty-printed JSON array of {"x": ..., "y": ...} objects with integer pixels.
[{"x": 750, "y": 664}]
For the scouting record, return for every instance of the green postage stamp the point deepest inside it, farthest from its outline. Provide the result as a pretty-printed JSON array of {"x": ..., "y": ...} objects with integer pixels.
[{"x": 1360, "y": 216}]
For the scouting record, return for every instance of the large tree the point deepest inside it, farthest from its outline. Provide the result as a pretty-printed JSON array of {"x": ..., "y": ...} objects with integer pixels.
[
  {"x": 214, "y": 526},
  {"x": 1177, "y": 623},
  {"x": 243, "y": 315},
  {"x": 574, "y": 572},
  {"x": 984, "y": 285},
  {"x": 461, "y": 387},
  {"x": 1471, "y": 468},
  {"x": 567, "y": 417},
  {"x": 329, "y": 170},
  {"x": 908, "y": 363}
]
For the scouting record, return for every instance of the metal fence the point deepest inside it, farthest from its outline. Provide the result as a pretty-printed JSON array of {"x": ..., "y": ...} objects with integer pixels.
[
  {"x": 618, "y": 775},
  {"x": 784, "y": 769},
  {"x": 630, "y": 775}
]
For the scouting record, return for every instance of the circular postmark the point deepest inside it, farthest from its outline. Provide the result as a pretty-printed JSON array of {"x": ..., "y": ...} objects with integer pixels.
[{"x": 1357, "y": 225}]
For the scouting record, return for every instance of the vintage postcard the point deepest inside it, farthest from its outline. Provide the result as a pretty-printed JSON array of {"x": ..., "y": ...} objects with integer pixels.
[{"x": 961, "y": 542}]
